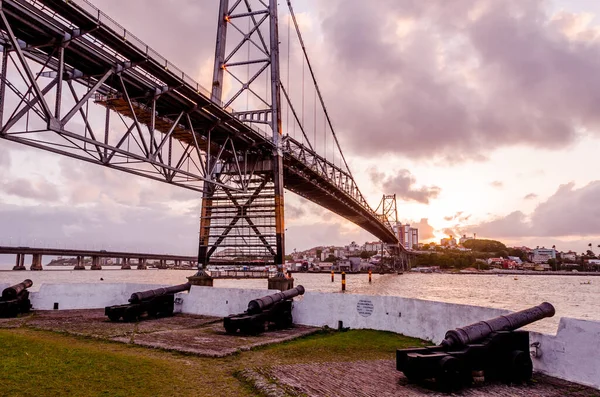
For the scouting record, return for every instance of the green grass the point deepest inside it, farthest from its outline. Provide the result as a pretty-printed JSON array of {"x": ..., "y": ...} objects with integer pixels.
[{"x": 40, "y": 363}]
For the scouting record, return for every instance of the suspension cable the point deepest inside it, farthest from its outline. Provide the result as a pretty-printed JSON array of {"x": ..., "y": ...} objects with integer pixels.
[
  {"x": 287, "y": 116},
  {"x": 316, "y": 85}
]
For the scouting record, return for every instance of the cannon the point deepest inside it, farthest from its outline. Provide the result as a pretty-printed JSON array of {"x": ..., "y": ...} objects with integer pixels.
[
  {"x": 158, "y": 302},
  {"x": 15, "y": 299},
  {"x": 494, "y": 347},
  {"x": 272, "y": 311}
]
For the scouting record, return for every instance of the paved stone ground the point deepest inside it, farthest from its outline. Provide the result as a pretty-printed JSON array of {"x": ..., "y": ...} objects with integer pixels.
[
  {"x": 201, "y": 335},
  {"x": 380, "y": 379},
  {"x": 212, "y": 341}
]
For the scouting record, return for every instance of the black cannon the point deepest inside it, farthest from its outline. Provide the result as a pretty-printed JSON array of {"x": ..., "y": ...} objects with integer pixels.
[
  {"x": 493, "y": 347},
  {"x": 15, "y": 300},
  {"x": 274, "y": 311},
  {"x": 158, "y": 302}
]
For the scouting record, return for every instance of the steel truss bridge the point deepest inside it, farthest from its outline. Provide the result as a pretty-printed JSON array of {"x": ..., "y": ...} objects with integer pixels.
[{"x": 76, "y": 83}]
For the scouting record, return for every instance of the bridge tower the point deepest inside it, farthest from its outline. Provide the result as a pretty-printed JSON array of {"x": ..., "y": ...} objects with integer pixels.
[{"x": 247, "y": 224}]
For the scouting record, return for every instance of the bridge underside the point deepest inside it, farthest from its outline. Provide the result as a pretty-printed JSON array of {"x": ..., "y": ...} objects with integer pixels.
[{"x": 76, "y": 83}]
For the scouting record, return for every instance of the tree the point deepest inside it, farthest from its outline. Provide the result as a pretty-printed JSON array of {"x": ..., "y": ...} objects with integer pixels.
[
  {"x": 552, "y": 262},
  {"x": 482, "y": 245},
  {"x": 319, "y": 252},
  {"x": 330, "y": 258},
  {"x": 365, "y": 255},
  {"x": 289, "y": 258}
]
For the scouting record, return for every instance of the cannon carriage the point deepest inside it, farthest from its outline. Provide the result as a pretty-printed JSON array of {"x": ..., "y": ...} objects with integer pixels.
[
  {"x": 158, "y": 302},
  {"x": 15, "y": 300},
  {"x": 272, "y": 311},
  {"x": 494, "y": 347}
]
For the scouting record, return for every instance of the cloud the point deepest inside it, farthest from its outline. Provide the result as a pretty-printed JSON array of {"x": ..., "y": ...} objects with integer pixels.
[
  {"x": 569, "y": 212},
  {"x": 497, "y": 184},
  {"x": 530, "y": 196},
  {"x": 403, "y": 185},
  {"x": 461, "y": 81},
  {"x": 425, "y": 229},
  {"x": 33, "y": 188}
]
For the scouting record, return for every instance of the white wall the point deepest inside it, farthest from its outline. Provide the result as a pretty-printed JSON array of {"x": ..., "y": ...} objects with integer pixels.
[
  {"x": 573, "y": 354},
  {"x": 84, "y": 296},
  {"x": 411, "y": 317},
  {"x": 220, "y": 302}
]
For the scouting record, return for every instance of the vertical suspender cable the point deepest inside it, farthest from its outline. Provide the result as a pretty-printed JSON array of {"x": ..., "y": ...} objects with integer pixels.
[
  {"x": 303, "y": 98},
  {"x": 315, "y": 83},
  {"x": 287, "y": 115}
]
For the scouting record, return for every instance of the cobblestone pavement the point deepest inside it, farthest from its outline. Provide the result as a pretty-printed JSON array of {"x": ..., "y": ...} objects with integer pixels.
[
  {"x": 201, "y": 335},
  {"x": 381, "y": 379},
  {"x": 212, "y": 341}
]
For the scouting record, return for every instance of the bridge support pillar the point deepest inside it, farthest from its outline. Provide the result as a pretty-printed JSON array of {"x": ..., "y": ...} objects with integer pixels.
[
  {"x": 36, "y": 262},
  {"x": 162, "y": 264},
  {"x": 79, "y": 265},
  {"x": 280, "y": 283},
  {"x": 20, "y": 262},
  {"x": 125, "y": 265},
  {"x": 96, "y": 263},
  {"x": 203, "y": 280},
  {"x": 141, "y": 264}
]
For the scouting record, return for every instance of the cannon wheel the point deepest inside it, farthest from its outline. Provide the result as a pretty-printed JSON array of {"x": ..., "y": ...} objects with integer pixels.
[
  {"x": 114, "y": 317},
  {"x": 230, "y": 328},
  {"x": 284, "y": 321},
  {"x": 450, "y": 374},
  {"x": 521, "y": 367},
  {"x": 130, "y": 316}
]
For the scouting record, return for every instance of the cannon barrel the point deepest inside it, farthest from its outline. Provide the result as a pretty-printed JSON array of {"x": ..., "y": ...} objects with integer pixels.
[
  {"x": 476, "y": 332},
  {"x": 138, "y": 297},
  {"x": 13, "y": 291},
  {"x": 256, "y": 306}
]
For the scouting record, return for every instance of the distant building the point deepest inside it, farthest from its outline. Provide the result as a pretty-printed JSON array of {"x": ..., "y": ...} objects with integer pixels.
[
  {"x": 373, "y": 247},
  {"x": 495, "y": 261},
  {"x": 448, "y": 242},
  {"x": 543, "y": 255},
  {"x": 464, "y": 238},
  {"x": 569, "y": 256},
  {"x": 353, "y": 247},
  {"x": 408, "y": 236},
  {"x": 516, "y": 259}
]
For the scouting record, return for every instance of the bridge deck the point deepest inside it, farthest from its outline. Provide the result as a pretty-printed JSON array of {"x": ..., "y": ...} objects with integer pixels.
[{"x": 104, "y": 44}]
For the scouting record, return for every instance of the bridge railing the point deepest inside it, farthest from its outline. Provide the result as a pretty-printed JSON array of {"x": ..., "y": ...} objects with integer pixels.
[
  {"x": 334, "y": 174},
  {"x": 103, "y": 19}
]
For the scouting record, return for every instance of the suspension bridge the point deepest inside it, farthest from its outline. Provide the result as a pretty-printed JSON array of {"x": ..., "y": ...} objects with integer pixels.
[{"x": 75, "y": 82}]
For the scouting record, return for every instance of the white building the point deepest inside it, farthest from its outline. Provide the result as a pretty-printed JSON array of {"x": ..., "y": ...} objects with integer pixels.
[
  {"x": 570, "y": 256},
  {"x": 408, "y": 236},
  {"x": 543, "y": 255}
]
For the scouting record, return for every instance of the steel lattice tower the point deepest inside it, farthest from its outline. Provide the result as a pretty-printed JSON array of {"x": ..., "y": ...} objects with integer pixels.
[{"x": 247, "y": 224}]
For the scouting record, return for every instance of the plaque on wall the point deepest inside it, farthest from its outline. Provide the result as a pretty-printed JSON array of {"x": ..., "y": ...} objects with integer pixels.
[{"x": 364, "y": 307}]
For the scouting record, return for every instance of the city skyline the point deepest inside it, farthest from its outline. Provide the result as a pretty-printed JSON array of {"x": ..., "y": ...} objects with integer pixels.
[{"x": 492, "y": 131}]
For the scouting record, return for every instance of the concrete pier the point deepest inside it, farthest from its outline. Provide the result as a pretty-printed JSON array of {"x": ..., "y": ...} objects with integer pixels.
[
  {"x": 142, "y": 264},
  {"x": 79, "y": 265},
  {"x": 96, "y": 263},
  {"x": 125, "y": 265},
  {"x": 20, "y": 262},
  {"x": 280, "y": 283},
  {"x": 36, "y": 262}
]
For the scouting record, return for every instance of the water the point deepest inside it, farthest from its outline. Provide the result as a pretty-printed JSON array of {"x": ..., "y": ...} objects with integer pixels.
[{"x": 569, "y": 296}]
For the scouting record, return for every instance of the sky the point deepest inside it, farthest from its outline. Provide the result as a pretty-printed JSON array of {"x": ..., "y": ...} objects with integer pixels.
[{"x": 480, "y": 115}]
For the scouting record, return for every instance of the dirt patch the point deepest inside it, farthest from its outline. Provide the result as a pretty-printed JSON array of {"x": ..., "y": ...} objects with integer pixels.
[
  {"x": 212, "y": 341},
  {"x": 381, "y": 379},
  {"x": 14, "y": 322},
  {"x": 94, "y": 323}
]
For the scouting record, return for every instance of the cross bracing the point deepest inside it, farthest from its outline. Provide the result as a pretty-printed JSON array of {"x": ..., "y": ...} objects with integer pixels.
[{"x": 76, "y": 83}]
